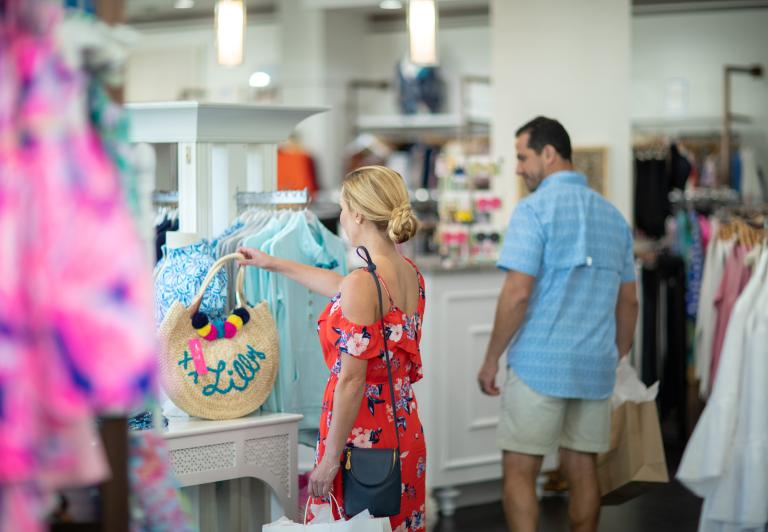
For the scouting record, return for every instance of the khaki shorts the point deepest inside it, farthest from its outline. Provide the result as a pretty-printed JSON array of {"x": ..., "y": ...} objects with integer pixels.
[{"x": 532, "y": 423}]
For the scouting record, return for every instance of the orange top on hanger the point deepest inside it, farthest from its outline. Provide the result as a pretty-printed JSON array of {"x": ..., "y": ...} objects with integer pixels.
[{"x": 295, "y": 170}]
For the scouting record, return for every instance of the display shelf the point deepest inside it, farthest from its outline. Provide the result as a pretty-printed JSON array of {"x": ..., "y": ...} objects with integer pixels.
[
  {"x": 214, "y": 122},
  {"x": 261, "y": 446},
  {"x": 451, "y": 123}
]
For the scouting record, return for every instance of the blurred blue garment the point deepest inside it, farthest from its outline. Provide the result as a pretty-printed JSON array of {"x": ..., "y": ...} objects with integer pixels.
[{"x": 419, "y": 89}]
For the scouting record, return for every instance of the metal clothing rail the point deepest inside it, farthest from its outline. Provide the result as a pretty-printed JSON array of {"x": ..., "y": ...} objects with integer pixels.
[
  {"x": 296, "y": 198},
  {"x": 165, "y": 198},
  {"x": 719, "y": 196}
]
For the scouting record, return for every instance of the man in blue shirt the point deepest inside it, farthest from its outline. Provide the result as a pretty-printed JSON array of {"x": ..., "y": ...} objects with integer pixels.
[{"x": 567, "y": 311}]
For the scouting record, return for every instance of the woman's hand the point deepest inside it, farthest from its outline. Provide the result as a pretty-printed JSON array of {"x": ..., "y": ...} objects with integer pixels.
[
  {"x": 321, "y": 479},
  {"x": 254, "y": 257}
]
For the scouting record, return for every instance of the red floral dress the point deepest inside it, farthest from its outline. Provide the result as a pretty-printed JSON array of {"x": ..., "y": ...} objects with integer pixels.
[{"x": 374, "y": 426}]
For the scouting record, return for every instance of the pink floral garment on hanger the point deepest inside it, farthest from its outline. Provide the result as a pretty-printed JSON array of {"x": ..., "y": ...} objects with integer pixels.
[{"x": 76, "y": 330}]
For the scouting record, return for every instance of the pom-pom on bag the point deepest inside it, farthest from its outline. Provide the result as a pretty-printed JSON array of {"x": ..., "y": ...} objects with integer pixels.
[{"x": 220, "y": 369}]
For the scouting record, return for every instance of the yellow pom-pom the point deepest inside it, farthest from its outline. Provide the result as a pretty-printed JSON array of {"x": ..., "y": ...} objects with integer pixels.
[
  {"x": 203, "y": 331},
  {"x": 235, "y": 320}
]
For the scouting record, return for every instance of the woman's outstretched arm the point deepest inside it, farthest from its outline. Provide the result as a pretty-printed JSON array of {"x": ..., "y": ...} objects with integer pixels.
[{"x": 322, "y": 281}]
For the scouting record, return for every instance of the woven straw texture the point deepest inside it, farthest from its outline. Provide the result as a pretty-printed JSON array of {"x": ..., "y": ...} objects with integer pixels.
[{"x": 241, "y": 370}]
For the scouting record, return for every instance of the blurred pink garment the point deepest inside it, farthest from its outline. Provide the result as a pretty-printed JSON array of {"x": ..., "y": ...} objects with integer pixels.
[
  {"x": 735, "y": 277},
  {"x": 705, "y": 227},
  {"x": 76, "y": 330}
]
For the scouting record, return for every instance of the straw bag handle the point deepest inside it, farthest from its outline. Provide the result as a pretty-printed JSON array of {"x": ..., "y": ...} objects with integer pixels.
[{"x": 219, "y": 264}]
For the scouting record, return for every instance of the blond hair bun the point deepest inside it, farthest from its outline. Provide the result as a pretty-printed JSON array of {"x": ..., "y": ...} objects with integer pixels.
[
  {"x": 379, "y": 194},
  {"x": 403, "y": 224}
]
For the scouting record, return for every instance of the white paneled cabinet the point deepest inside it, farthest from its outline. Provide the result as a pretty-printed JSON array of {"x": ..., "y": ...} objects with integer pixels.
[{"x": 459, "y": 421}]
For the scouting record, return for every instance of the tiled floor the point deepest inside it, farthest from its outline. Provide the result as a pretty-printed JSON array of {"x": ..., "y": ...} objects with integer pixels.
[{"x": 668, "y": 508}]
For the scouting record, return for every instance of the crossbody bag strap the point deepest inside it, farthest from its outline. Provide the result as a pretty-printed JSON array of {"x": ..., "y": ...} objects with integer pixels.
[{"x": 362, "y": 252}]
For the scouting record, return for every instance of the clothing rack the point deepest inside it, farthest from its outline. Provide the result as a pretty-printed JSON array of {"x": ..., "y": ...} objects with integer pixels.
[
  {"x": 724, "y": 201},
  {"x": 707, "y": 197},
  {"x": 275, "y": 198}
]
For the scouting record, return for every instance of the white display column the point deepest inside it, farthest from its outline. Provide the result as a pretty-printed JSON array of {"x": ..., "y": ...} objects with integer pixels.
[{"x": 569, "y": 60}]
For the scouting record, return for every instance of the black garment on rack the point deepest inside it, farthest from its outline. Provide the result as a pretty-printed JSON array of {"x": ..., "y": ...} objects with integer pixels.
[
  {"x": 160, "y": 235},
  {"x": 679, "y": 168},
  {"x": 651, "y": 196},
  {"x": 651, "y": 286},
  {"x": 664, "y": 288},
  {"x": 654, "y": 180}
]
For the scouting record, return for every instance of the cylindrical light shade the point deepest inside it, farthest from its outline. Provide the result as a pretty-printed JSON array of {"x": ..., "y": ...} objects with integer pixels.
[
  {"x": 422, "y": 32},
  {"x": 230, "y": 31}
]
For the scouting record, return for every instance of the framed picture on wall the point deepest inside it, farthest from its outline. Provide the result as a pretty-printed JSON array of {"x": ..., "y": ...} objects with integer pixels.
[{"x": 592, "y": 161}]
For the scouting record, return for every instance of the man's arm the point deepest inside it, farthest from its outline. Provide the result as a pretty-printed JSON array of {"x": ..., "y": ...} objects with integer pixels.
[
  {"x": 510, "y": 312},
  {"x": 626, "y": 317}
]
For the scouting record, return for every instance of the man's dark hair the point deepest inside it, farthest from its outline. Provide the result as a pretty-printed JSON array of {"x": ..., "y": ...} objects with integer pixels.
[{"x": 543, "y": 131}]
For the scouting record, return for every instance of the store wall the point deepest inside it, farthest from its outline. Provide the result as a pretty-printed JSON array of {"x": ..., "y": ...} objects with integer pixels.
[
  {"x": 570, "y": 60},
  {"x": 677, "y": 71},
  {"x": 171, "y": 59}
]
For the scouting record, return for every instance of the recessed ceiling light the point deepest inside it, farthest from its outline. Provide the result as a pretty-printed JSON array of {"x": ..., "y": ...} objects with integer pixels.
[
  {"x": 184, "y": 4},
  {"x": 391, "y": 4},
  {"x": 259, "y": 80}
]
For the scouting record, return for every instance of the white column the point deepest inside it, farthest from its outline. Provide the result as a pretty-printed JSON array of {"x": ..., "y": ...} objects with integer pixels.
[{"x": 569, "y": 60}]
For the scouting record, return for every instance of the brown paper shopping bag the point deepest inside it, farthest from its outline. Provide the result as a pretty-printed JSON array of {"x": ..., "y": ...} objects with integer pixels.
[{"x": 635, "y": 461}]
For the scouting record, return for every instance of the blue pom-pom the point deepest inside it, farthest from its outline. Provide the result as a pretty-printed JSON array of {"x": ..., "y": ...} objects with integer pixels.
[
  {"x": 199, "y": 320},
  {"x": 243, "y": 314},
  {"x": 219, "y": 324}
]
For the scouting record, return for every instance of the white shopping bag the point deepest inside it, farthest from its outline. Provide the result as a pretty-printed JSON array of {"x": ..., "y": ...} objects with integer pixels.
[
  {"x": 629, "y": 387},
  {"x": 323, "y": 522}
]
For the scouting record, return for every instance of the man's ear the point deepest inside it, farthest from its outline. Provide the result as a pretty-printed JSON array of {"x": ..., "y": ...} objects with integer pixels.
[{"x": 548, "y": 153}]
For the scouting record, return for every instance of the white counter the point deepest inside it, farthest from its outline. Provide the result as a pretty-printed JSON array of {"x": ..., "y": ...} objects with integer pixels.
[{"x": 459, "y": 421}]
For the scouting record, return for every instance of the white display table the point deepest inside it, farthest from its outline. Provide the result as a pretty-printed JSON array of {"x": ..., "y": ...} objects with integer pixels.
[{"x": 258, "y": 446}]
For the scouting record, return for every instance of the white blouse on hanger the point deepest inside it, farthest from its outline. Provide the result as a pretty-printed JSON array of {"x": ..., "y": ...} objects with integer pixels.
[{"x": 726, "y": 460}]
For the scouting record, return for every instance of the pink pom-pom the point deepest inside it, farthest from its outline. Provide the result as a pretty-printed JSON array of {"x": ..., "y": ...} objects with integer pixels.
[
  {"x": 229, "y": 330},
  {"x": 211, "y": 336}
]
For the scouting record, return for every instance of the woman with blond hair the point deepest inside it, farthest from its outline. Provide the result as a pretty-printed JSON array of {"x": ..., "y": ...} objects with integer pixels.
[{"x": 357, "y": 407}]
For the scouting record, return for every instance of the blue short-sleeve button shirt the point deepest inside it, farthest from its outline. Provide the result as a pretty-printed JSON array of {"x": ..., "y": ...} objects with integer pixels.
[{"x": 579, "y": 248}]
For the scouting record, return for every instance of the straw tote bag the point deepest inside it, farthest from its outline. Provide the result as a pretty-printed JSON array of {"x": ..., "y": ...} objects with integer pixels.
[{"x": 220, "y": 369}]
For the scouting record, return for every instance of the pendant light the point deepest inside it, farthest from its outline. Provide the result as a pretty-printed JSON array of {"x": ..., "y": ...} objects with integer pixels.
[
  {"x": 230, "y": 31},
  {"x": 422, "y": 32}
]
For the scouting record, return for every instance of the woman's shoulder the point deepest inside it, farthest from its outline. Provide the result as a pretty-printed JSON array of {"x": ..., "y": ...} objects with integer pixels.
[{"x": 357, "y": 294}]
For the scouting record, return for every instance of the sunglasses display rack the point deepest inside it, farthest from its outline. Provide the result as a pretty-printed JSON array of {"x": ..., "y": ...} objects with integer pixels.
[{"x": 465, "y": 233}]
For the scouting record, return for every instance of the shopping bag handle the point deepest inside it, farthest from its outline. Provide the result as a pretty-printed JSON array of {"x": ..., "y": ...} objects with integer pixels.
[{"x": 330, "y": 494}]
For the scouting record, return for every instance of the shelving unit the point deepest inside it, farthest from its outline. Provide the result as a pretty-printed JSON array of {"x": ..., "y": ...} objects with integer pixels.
[
  {"x": 460, "y": 124},
  {"x": 452, "y": 125}
]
